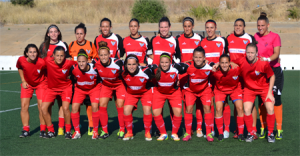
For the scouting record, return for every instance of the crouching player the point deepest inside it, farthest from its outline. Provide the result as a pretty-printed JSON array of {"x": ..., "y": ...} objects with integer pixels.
[{"x": 87, "y": 83}]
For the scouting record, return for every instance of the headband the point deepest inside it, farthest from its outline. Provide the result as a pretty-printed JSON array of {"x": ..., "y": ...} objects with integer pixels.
[
  {"x": 53, "y": 26},
  {"x": 165, "y": 56},
  {"x": 212, "y": 21},
  {"x": 81, "y": 54},
  {"x": 104, "y": 48},
  {"x": 188, "y": 19},
  {"x": 132, "y": 58}
]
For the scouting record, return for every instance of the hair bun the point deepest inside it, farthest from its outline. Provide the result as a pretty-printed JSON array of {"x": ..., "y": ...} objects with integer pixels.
[
  {"x": 81, "y": 25},
  {"x": 102, "y": 44},
  {"x": 263, "y": 14}
]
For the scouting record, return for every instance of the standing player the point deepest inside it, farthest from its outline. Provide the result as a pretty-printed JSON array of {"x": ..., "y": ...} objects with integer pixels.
[
  {"x": 228, "y": 84},
  {"x": 87, "y": 84},
  {"x": 59, "y": 84},
  {"x": 269, "y": 44},
  {"x": 135, "y": 43},
  {"x": 114, "y": 41},
  {"x": 110, "y": 70},
  {"x": 138, "y": 86},
  {"x": 32, "y": 72},
  {"x": 89, "y": 47},
  {"x": 187, "y": 42}
]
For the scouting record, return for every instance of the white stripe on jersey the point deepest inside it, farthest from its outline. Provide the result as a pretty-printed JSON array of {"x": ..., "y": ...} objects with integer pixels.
[
  {"x": 142, "y": 74},
  {"x": 142, "y": 39},
  {"x": 135, "y": 87},
  {"x": 165, "y": 84},
  {"x": 113, "y": 64},
  {"x": 197, "y": 80},
  {"x": 247, "y": 36},
  {"x": 172, "y": 40}
]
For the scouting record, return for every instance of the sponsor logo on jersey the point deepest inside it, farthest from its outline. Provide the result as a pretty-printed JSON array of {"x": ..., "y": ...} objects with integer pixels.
[
  {"x": 157, "y": 43},
  {"x": 142, "y": 44},
  {"x": 193, "y": 74},
  {"x": 64, "y": 71},
  {"x": 85, "y": 83},
  {"x": 128, "y": 44},
  {"x": 171, "y": 45},
  {"x": 232, "y": 41},
  {"x": 135, "y": 87},
  {"x": 165, "y": 84},
  {"x": 235, "y": 77},
  {"x": 197, "y": 80},
  {"x": 142, "y": 79},
  {"x": 218, "y": 45},
  {"x": 113, "y": 42},
  {"x": 172, "y": 76},
  {"x": 196, "y": 42},
  {"x": 245, "y": 41},
  {"x": 108, "y": 78},
  {"x": 88, "y": 51},
  {"x": 207, "y": 72},
  {"x": 38, "y": 70},
  {"x": 183, "y": 43},
  {"x": 257, "y": 73},
  {"x": 114, "y": 71},
  {"x": 92, "y": 77}
]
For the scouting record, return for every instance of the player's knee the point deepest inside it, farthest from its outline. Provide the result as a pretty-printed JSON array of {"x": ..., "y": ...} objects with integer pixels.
[
  {"x": 219, "y": 110},
  {"x": 189, "y": 110},
  {"x": 206, "y": 109}
]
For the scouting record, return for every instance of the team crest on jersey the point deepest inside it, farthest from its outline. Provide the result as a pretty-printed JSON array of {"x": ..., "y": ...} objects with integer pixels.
[
  {"x": 245, "y": 41},
  {"x": 114, "y": 71},
  {"x": 142, "y": 44},
  {"x": 235, "y": 77},
  {"x": 171, "y": 45},
  {"x": 142, "y": 79},
  {"x": 218, "y": 44},
  {"x": 172, "y": 76},
  {"x": 113, "y": 42},
  {"x": 257, "y": 73},
  {"x": 207, "y": 72},
  {"x": 266, "y": 44},
  {"x": 38, "y": 70},
  {"x": 64, "y": 71},
  {"x": 88, "y": 51},
  {"x": 92, "y": 77},
  {"x": 196, "y": 42}
]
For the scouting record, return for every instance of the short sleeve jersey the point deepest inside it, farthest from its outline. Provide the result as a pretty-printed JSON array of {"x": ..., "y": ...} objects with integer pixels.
[
  {"x": 187, "y": 45},
  {"x": 237, "y": 45},
  {"x": 114, "y": 43},
  {"x": 227, "y": 81},
  {"x": 137, "y": 46},
  {"x": 88, "y": 46},
  {"x": 214, "y": 48}
]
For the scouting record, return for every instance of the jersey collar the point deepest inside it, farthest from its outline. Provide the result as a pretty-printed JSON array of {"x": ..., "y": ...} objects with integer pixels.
[
  {"x": 189, "y": 37},
  {"x": 107, "y": 36},
  {"x": 211, "y": 39},
  {"x": 239, "y": 35},
  {"x": 81, "y": 44},
  {"x": 136, "y": 38}
]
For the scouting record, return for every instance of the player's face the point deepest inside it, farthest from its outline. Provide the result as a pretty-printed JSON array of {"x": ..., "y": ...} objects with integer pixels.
[
  {"x": 82, "y": 62},
  {"x": 32, "y": 54},
  {"x": 134, "y": 27},
  {"x": 210, "y": 29},
  {"x": 164, "y": 29},
  {"x": 224, "y": 63},
  {"x": 262, "y": 27},
  {"x": 199, "y": 58},
  {"x": 105, "y": 28},
  {"x": 251, "y": 54},
  {"x": 188, "y": 28},
  {"x": 165, "y": 63},
  {"x": 132, "y": 65},
  {"x": 59, "y": 57},
  {"x": 104, "y": 56},
  {"x": 53, "y": 34},
  {"x": 239, "y": 27},
  {"x": 80, "y": 35}
]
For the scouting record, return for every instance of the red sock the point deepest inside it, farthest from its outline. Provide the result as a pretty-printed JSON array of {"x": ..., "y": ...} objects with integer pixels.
[
  {"x": 120, "y": 118},
  {"x": 50, "y": 128},
  {"x": 249, "y": 121},
  {"x": 188, "y": 120},
  {"x": 103, "y": 118},
  {"x": 212, "y": 109},
  {"x": 128, "y": 119},
  {"x": 199, "y": 119},
  {"x": 226, "y": 114},
  {"x": 254, "y": 129},
  {"x": 147, "y": 122},
  {"x": 68, "y": 127},
  {"x": 95, "y": 116},
  {"x": 43, "y": 127},
  {"x": 240, "y": 124},
  {"x": 176, "y": 124},
  {"x": 270, "y": 123},
  {"x": 26, "y": 128},
  {"x": 76, "y": 121},
  {"x": 208, "y": 118},
  {"x": 219, "y": 123},
  {"x": 160, "y": 124},
  {"x": 61, "y": 122}
]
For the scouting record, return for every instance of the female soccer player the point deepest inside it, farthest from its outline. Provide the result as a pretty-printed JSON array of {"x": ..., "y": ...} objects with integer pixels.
[
  {"x": 237, "y": 42},
  {"x": 110, "y": 70},
  {"x": 269, "y": 44},
  {"x": 137, "y": 81},
  {"x": 53, "y": 39},
  {"x": 89, "y": 47},
  {"x": 32, "y": 73},
  {"x": 167, "y": 88},
  {"x": 198, "y": 87},
  {"x": 228, "y": 84},
  {"x": 135, "y": 43},
  {"x": 258, "y": 81},
  {"x": 87, "y": 84},
  {"x": 59, "y": 84},
  {"x": 187, "y": 42},
  {"x": 114, "y": 41}
]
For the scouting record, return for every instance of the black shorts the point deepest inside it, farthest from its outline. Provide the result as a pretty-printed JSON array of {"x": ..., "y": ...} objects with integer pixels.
[{"x": 278, "y": 85}]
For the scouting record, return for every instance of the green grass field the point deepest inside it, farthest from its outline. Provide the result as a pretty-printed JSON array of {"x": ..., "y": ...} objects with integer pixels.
[{"x": 11, "y": 127}]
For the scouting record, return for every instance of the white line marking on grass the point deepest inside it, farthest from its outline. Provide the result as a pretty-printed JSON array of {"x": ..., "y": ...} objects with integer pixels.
[
  {"x": 8, "y": 73},
  {"x": 16, "y": 108},
  {"x": 13, "y": 91}
]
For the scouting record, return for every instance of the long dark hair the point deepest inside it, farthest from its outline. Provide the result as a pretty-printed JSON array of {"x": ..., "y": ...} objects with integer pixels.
[
  {"x": 31, "y": 46},
  {"x": 159, "y": 69},
  {"x": 130, "y": 56},
  {"x": 45, "y": 45}
]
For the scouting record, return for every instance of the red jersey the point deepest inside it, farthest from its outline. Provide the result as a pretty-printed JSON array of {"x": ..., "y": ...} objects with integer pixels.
[
  {"x": 34, "y": 73},
  {"x": 255, "y": 75},
  {"x": 227, "y": 81},
  {"x": 186, "y": 45},
  {"x": 198, "y": 77},
  {"x": 58, "y": 75},
  {"x": 114, "y": 43},
  {"x": 137, "y": 46},
  {"x": 110, "y": 74},
  {"x": 237, "y": 45},
  {"x": 214, "y": 48},
  {"x": 85, "y": 80},
  {"x": 138, "y": 83},
  {"x": 161, "y": 45}
]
